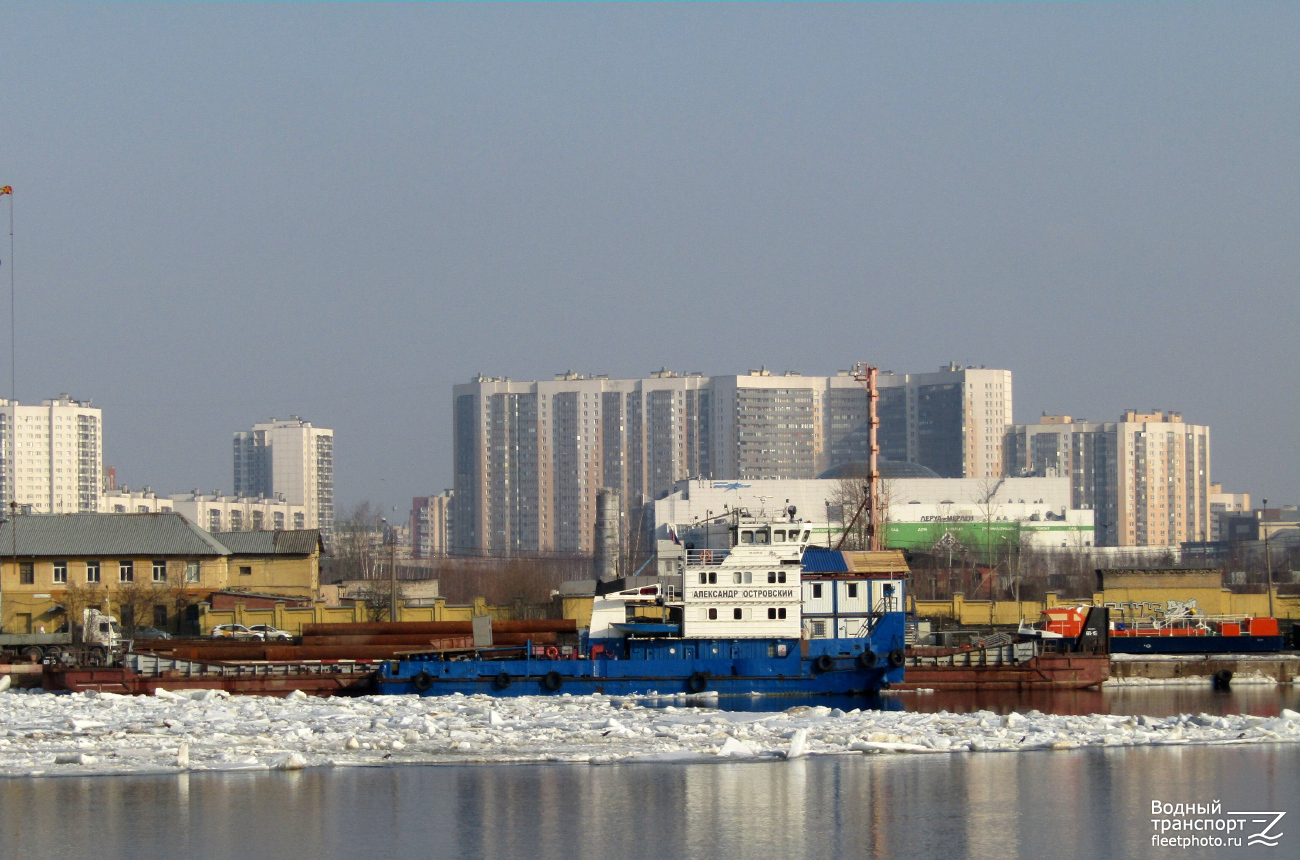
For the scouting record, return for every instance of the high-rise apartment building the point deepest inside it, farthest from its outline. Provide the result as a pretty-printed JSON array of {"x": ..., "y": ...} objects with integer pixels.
[
  {"x": 1223, "y": 506},
  {"x": 1146, "y": 477},
  {"x": 432, "y": 523},
  {"x": 951, "y": 421},
  {"x": 292, "y": 460},
  {"x": 530, "y": 456},
  {"x": 52, "y": 456}
]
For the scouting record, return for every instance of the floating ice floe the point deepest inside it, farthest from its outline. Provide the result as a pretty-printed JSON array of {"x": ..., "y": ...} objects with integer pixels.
[{"x": 204, "y": 730}]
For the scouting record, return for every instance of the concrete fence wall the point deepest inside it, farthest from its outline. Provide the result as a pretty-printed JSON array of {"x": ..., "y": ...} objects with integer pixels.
[
  {"x": 292, "y": 619},
  {"x": 1133, "y": 603}
]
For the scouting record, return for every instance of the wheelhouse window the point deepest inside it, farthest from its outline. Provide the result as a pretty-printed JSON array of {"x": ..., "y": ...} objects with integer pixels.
[
  {"x": 771, "y": 613},
  {"x": 708, "y": 577},
  {"x": 737, "y": 613},
  {"x": 774, "y": 576},
  {"x": 713, "y": 615}
]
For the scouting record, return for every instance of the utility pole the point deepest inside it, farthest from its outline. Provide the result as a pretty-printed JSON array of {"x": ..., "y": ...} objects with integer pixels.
[
  {"x": 1268, "y": 559},
  {"x": 391, "y": 540}
]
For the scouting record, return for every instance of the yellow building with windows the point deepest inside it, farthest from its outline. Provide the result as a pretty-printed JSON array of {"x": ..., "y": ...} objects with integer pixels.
[{"x": 146, "y": 569}]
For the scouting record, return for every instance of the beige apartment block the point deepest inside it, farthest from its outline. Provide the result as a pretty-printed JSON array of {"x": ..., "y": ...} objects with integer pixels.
[
  {"x": 53, "y": 456},
  {"x": 1146, "y": 477},
  {"x": 290, "y": 460},
  {"x": 1222, "y": 506},
  {"x": 431, "y": 524}
]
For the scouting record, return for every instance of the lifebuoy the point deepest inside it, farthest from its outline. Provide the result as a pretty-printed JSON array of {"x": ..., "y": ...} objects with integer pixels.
[
  {"x": 868, "y": 659},
  {"x": 552, "y": 681},
  {"x": 706, "y": 557},
  {"x": 552, "y": 652},
  {"x": 422, "y": 682},
  {"x": 896, "y": 658},
  {"x": 824, "y": 663}
]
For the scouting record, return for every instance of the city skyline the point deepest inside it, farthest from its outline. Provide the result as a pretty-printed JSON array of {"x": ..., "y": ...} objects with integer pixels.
[{"x": 361, "y": 210}]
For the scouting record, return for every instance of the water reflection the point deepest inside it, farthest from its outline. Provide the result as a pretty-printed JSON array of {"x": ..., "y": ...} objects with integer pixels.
[{"x": 1087, "y": 803}]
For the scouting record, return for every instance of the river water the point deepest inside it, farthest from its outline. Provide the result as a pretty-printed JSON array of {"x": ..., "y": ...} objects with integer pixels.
[{"x": 1084, "y": 803}]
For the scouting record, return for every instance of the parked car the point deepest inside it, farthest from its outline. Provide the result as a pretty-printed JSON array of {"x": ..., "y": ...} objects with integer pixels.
[
  {"x": 272, "y": 634},
  {"x": 150, "y": 633},
  {"x": 234, "y": 631}
]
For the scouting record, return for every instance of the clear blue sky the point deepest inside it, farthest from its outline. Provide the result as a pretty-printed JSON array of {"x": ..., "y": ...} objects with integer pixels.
[{"x": 229, "y": 212}]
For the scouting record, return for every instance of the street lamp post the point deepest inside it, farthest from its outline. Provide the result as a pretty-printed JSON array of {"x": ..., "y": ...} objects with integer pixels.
[{"x": 1268, "y": 559}]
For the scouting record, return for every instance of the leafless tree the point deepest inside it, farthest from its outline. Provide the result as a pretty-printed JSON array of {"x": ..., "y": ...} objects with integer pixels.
[{"x": 77, "y": 599}]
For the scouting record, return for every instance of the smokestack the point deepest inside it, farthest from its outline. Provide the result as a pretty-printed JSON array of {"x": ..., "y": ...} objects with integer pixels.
[{"x": 608, "y": 534}]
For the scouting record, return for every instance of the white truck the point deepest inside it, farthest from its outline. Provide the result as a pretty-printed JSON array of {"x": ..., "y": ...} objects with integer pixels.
[{"x": 100, "y": 643}]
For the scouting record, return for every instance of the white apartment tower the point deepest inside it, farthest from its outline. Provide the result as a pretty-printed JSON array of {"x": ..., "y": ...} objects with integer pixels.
[
  {"x": 291, "y": 460},
  {"x": 52, "y": 455}
]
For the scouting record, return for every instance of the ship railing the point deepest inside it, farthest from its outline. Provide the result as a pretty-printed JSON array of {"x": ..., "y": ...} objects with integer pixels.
[
  {"x": 705, "y": 557},
  {"x": 1009, "y": 654}
]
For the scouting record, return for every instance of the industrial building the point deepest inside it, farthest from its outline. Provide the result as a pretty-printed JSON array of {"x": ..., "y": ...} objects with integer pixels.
[{"x": 919, "y": 512}]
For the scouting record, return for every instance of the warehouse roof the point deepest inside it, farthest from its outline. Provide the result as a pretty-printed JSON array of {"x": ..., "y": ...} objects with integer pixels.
[
  {"x": 282, "y": 542},
  {"x": 167, "y": 534}
]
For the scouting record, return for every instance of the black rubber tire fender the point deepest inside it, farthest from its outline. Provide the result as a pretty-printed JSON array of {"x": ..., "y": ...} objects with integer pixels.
[
  {"x": 552, "y": 681},
  {"x": 697, "y": 683},
  {"x": 868, "y": 659},
  {"x": 1222, "y": 679},
  {"x": 896, "y": 658},
  {"x": 824, "y": 663},
  {"x": 502, "y": 681},
  {"x": 422, "y": 682}
]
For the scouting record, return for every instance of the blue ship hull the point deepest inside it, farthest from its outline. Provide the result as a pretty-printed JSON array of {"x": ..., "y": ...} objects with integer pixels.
[
  {"x": 725, "y": 667},
  {"x": 1195, "y": 644}
]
